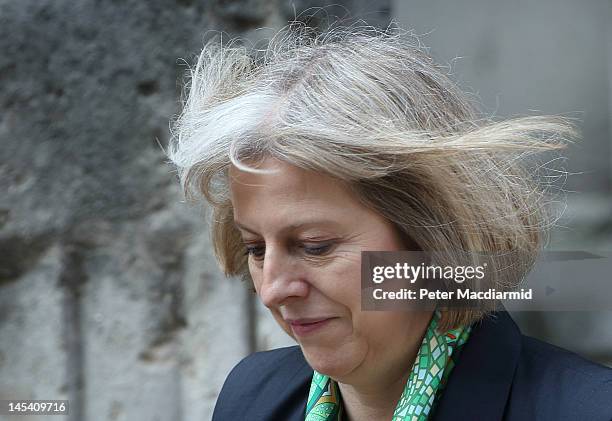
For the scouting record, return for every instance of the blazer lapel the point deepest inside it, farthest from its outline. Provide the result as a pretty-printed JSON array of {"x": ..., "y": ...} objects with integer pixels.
[
  {"x": 480, "y": 383},
  {"x": 294, "y": 408}
]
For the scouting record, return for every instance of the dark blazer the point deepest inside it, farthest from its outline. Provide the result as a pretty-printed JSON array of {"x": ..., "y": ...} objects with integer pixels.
[{"x": 501, "y": 375}]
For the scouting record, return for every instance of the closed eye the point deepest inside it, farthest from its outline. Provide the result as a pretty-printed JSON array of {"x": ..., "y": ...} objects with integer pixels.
[
  {"x": 258, "y": 252},
  {"x": 317, "y": 250}
]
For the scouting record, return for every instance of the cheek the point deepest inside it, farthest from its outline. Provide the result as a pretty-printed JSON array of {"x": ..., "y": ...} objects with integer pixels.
[
  {"x": 386, "y": 333},
  {"x": 378, "y": 328},
  {"x": 341, "y": 282}
]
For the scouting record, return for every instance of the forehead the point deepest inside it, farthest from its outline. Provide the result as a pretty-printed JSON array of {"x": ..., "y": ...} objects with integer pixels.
[
  {"x": 288, "y": 192},
  {"x": 286, "y": 181}
]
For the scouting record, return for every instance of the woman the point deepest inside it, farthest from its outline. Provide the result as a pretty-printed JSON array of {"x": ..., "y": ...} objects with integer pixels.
[{"x": 353, "y": 140}]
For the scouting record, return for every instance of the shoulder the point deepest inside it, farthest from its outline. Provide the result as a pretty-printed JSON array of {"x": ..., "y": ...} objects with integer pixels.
[
  {"x": 549, "y": 359},
  {"x": 266, "y": 364},
  {"x": 553, "y": 381},
  {"x": 282, "y": 374}
]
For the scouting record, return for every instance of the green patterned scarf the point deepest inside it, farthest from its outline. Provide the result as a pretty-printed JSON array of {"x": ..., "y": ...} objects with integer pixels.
[{"x": 436, "y": 358}]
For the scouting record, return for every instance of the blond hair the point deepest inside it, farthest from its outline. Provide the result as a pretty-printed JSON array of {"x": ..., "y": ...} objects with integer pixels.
[{"x": 372, "y": 109}]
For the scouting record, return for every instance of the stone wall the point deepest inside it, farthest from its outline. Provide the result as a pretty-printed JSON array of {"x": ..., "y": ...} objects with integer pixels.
[{"x": 109, "y": 294}]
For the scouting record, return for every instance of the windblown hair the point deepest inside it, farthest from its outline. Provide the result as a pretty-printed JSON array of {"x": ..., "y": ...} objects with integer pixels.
[{"x": 372, "y": 109}]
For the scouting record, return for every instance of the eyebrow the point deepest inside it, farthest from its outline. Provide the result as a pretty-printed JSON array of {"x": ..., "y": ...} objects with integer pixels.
[{"x": 294, "y": 226}]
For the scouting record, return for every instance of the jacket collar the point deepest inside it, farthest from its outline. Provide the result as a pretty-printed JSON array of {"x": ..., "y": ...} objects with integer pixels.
[{"x": 479, "y": 386}]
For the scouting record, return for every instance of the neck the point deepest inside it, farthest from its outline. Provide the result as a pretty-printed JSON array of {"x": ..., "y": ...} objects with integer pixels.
[{"x": 374, "y": 401}]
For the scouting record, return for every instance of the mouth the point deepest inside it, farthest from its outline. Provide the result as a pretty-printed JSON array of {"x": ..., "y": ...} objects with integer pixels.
[{"x": 302, "y": 327}]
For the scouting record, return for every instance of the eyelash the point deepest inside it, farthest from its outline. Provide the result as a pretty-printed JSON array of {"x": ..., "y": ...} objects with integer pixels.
[
  {"x": 312, "y": 251},
  {"x": 252, "y": 250}
]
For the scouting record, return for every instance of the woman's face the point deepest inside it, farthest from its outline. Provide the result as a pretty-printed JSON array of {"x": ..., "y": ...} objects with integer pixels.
[{"x": 304, "y": 233}]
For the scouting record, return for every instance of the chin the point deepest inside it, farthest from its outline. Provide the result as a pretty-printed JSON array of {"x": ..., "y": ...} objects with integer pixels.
[{"x": 333, "y": 363}]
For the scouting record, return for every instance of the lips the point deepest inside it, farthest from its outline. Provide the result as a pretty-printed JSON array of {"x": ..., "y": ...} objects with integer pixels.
[
  {"x": 306, "y": 326},
  {"x": 306, "y": 321}
]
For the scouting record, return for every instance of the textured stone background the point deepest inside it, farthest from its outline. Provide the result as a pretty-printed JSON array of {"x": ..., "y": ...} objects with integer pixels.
[{"x": 109, "y": 295}]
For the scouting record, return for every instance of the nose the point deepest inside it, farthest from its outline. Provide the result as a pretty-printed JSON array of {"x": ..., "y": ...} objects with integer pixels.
[{"x": 282, "y": 279}]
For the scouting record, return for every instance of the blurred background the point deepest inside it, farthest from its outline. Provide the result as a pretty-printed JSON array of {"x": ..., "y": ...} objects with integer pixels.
[{"x": 109, "y": 294}]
